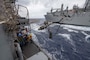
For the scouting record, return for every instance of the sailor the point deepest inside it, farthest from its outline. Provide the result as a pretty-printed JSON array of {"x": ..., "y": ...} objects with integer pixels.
[
  {"x": 30, "y": 37},
  {"x": 26, "y": 29},
  {"x": 24, "y": 32},
  {"x": 19, "y": 34},
  {"x": 25, "y": 39},
  {"x": 20, "y": 38}
]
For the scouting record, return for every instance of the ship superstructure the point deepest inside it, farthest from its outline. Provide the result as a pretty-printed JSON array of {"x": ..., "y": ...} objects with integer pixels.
[{"x": 75, "y": 16}]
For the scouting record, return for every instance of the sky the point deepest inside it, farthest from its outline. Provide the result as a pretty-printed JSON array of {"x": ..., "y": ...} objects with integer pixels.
[{"x": 38, "y": 8}]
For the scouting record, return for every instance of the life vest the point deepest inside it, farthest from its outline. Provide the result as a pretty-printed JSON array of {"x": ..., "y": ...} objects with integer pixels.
[{"x": 29, "y": 37}]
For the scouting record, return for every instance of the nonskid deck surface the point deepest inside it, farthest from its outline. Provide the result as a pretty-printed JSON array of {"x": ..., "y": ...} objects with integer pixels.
[
  {"x": 29, "y": 50},
  {"x": 5, "y": 50}
]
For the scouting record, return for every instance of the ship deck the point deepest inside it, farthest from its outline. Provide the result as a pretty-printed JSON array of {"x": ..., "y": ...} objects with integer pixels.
[{"x": 29, "y": 50}]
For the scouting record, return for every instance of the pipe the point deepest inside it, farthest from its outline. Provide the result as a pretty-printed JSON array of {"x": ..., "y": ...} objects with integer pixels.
[{"x": 19, "y": 51}]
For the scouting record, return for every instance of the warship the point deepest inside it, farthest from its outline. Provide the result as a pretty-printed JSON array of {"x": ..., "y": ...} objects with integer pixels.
[
  {"x": 10, "y": 23},
  {"x": 75, "y": 16},
  {"x": 68, "y": 43}
]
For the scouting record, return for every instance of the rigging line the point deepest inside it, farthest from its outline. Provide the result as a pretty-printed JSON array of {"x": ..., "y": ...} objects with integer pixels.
[
  {"x": 59, "y": 25},
  {"x": 50, "y": 33}
]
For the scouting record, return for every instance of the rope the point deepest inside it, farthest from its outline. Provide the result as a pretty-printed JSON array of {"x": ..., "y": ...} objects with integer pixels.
[
  {"x": 59, "y": 25},
  {"x": 50, "y": 33}
]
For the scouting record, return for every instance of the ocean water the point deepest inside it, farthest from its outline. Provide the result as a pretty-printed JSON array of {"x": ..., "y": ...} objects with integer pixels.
[{"x": 69, "y": 43}]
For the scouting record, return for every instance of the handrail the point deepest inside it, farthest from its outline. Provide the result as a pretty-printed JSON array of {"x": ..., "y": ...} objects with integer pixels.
[{"x": 27, "y": 14}]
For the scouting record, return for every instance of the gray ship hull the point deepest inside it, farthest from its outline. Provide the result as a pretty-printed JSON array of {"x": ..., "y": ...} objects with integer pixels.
[
  {"x": 76, "y": 16},
  {"x": 77, "y": 19}
]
